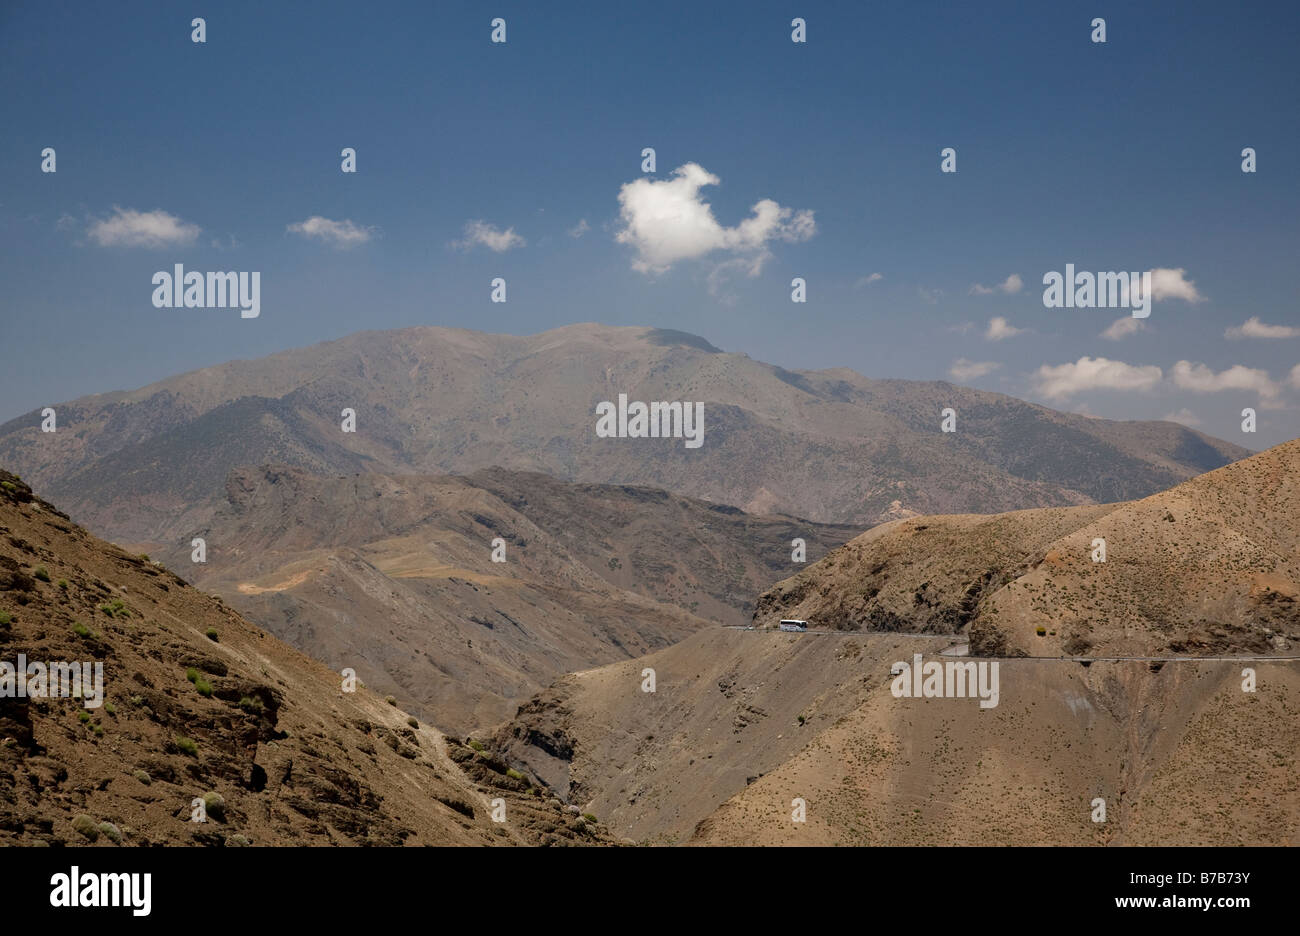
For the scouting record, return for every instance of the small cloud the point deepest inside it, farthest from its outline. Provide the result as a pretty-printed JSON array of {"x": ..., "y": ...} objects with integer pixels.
[
  {"x": 929, "y": 295},
  {"x": 667, "y": 221},
  {"x": 1122, "y": 328},
  {"x": 962, "y": 328},
  {"x": 339, "y": 234},
  {"x": 127, "y": 228},
  {"x": 1294, "y": 378},
  {"x": 1199, "y": 378},
  {"x": 489, "y": 236},
  {"x": 1173, "y": 284},
  {"x": 581, "y": 228},
  {"x": 230, "y": 243},
  {"x": 1012, "y": 284},
  {"x": 963, "y": 369},
  {"x": 1184, "y": 416},
  {"x": 1254, "y": 328},
  {"x": 1065, "y": 380},
  {"x": 999, "y": 329},
  {"x": 868, "y": 280}
]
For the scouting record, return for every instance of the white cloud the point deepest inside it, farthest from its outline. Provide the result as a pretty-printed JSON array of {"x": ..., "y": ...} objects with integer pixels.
[
  {"x": 581, "y": 228},
  {"x": 1294, "y": 378},
  {"x": 1087, "y": 373},
  {"x": 1172, "y": 284},
  {"x": 963, "y": 369},
  {"x": 1201, "y": 379},
  {"x": 868, "y": 280},
  {"x": 929, "y": 295},
  {"x": 999, "y": 329},
  {"x": 667, "y": 221},
  {"x": 1123, "y": 327},
  {"x": 1012, "y": 284},
  {"x": 1254, "y": 328},
  {"x": 340, "y": 234},
  {"x": 1184, "y": 416},
  {"x": 127, "y": 228},
  {"x": 489, "y": 236}
]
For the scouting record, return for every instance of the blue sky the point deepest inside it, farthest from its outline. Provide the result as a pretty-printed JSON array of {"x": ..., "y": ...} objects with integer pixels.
[{"x": 1116, "y": 156}]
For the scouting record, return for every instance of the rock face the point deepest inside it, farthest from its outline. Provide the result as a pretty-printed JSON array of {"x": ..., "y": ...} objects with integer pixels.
[
  {"x": 203, "y": 714},
  {"x": 1209, "y": 567},
  {"x": 833, "y": 446}
]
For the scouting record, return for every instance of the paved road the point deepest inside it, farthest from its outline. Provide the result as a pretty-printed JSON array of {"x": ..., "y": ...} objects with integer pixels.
[{"x": 962, "y": 649}]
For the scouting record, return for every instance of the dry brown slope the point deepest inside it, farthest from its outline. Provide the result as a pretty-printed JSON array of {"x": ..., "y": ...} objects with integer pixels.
[
  {"x": 294, "y": 758},
  {"x": 1180, "y": 757},
  {"x": 394, "y": 576},
  {"x": 1210, "y": 566}
]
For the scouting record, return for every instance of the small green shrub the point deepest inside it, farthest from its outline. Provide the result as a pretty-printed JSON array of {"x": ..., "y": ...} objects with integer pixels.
[
  {"x": 191, "y": 673},
  {"x": 215, "y": 804},
  {"x": 252, "y": 704},
  {"x": 413, "y": 722},
  {"x": 115, "y": 608},
  {"x": 8, "y": 485},
  {"x": 86, "y": 826},
  {"x": 187, "y": 746},
  {"x": 63, "y": 583},
  {"x": 390, "y": 700},
  {"x": 142, "y": 776},
  {"x": 111, "y": 832},
  {"x": 81, "y": 630},
  {"x": 98, "y": 730},
  {"x": 237, "y": 841},
  {"x": 590, "y": 818},
  {"x": 110, "y": 708},
  {"x": 1040, "y": 630},
  {"x": 41, "y": 573},
  {"x": 476, "y": 745},
  {"x": 204, "y": 687},
  {"x": 211, "y": 634},
  {"x": 514, "y": 774},
  {"x": 83, "y": 716},
  {"x": 5, "y": 618}
]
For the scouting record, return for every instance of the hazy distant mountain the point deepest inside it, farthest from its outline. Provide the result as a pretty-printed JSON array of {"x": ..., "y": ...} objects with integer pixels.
[
  {"x": 393, "y": 576},
  {"x": 1210, "y": 566},
  {"x": 831, "y": 445}
]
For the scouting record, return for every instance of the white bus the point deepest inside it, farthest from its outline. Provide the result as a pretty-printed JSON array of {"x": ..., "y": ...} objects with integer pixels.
[{"x": 793, "y": 625}]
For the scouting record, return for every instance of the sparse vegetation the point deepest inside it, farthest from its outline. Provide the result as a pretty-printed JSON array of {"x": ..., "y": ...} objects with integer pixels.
[
  {"x": 476, "y": 745},
  {"x": 41, "y": 573},
  {"x": 211, "y": 634},
  {"x": 82, "y": 631},
  {"x": 204, "y": 687},
  {"x": 86, "y": 826},
  {"x": 142, "y": 776},
  {"x": 514, "y": 774},
  {"x": 215, "y": 804},
  {"x": 115, "y": 608},
  {"x": 413, "y": 722},
  {"x": 252, "y": 704},
  {"x": 187, "y": 746},
  {"x": 111, "y": 832},
  {"x": 5, "y": 618}
]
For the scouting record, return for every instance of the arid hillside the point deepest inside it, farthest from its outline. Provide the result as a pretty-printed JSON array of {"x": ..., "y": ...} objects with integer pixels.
[
  {"x": 833, "y": 446},
  {"x": 198, "y": 704},
  {"x": 394, "y": 576},
  {"x": 1211, "y": 566},
  {"x": 743, "y": 723}
]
